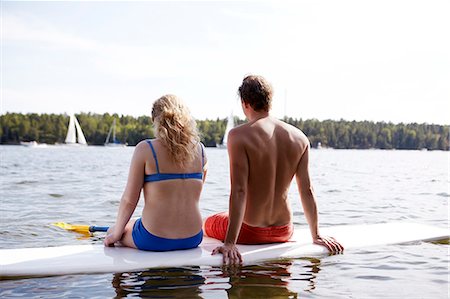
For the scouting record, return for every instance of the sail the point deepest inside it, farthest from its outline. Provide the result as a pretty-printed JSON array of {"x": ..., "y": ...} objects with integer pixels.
[
  {"x": 114, "y": 131},
  {"x": 114, "y": 142},
  {"x": 230, "y": 125},
  {"x": 109, "y": 133},
  {"x": 81, "y": 138},
  {"x": 71, "y": 135}
]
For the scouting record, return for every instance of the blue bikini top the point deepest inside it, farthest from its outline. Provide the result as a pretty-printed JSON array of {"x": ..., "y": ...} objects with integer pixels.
[{"x": 156, "y": 177}]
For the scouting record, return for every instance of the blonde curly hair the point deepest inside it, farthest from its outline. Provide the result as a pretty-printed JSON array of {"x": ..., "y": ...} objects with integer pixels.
[{"x": 176, "y": 128}]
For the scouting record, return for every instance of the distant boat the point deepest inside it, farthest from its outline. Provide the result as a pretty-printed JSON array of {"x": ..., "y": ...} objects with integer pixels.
[
  {"x": 115, "y": 142},
  {"x": 75, "y": 135},
  {"x": 33, "y": 144},
  {"x": 230, "y": 125},
  {"x": 29, "y": 143}
]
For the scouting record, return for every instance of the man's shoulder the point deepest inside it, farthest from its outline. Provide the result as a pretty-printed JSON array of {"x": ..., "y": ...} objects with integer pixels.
[
  {"x": 294, "y": 132},
  {"x": 239, "y": 130}
]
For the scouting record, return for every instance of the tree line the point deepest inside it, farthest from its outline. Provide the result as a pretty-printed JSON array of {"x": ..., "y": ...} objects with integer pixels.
[{"x": 340, "y": 134}]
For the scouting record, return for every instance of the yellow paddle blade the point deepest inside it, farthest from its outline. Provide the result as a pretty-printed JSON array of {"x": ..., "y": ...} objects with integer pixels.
[{"x": 84, "y": 229}]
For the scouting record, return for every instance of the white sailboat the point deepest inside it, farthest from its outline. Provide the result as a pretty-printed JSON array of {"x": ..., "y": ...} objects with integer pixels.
[
  {"x": 115, "y": 142},
  {"x": 230, "y": 125},
  {"x": 32, "y": 144},
  {"x": 75, "y": 135}
]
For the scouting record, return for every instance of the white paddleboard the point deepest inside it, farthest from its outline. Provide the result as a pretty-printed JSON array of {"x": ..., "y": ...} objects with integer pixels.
[{"x": 83, "y": 259}]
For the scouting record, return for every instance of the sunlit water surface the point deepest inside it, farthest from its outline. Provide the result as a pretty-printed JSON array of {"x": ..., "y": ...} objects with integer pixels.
[{"x": 40, "y": 186}]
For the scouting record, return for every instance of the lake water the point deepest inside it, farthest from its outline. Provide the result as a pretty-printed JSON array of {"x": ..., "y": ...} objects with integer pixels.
[{"x": 40, "y": 186}]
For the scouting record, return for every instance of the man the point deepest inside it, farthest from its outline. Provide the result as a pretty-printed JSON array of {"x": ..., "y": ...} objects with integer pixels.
[{"x": 265, "y": 154}]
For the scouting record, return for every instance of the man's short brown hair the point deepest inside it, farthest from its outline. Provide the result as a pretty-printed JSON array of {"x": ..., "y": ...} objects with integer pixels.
[{"x": 256, "y": 92}]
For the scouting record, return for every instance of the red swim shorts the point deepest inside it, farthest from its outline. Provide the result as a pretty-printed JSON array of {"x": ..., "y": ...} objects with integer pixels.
[{"x": 216, "y": 227}]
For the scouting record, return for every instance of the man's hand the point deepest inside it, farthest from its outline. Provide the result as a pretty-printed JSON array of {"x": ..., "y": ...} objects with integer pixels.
[
  {"x": 231, "y": 255},
  {"x": 330, "y": 243}
]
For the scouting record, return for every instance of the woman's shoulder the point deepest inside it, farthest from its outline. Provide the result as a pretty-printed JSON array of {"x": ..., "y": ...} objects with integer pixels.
[
  {"x": 147, "y": 142},
  {"x": 144, "y": 145}
]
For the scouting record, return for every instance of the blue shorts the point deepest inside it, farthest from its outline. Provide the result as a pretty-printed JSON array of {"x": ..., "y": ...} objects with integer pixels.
[{"x": 144, "y": 240}]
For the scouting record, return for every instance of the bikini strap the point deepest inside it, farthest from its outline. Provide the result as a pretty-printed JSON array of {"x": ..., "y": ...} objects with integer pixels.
[{"x": 154, "y": 154}]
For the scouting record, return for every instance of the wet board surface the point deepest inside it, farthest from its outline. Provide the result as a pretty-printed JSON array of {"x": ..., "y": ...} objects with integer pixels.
[{"x": 84, "y": 259}]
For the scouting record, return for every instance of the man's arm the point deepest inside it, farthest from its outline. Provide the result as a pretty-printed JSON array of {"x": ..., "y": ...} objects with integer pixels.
[
  {"x": 309, "y": 205},
  {"x": 306, "y": 192},
  {"x": 239, "y": 171}
]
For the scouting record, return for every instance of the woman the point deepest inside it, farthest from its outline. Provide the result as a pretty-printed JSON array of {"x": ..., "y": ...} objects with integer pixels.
[{"x": 171, "y": 170}]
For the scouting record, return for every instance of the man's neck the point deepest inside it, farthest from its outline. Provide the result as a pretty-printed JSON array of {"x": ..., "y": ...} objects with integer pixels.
[{"x": 255, "y": 115}]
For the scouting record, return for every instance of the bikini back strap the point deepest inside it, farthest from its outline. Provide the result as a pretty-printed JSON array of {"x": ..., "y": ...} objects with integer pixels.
[{"x": 154, "y": 155}]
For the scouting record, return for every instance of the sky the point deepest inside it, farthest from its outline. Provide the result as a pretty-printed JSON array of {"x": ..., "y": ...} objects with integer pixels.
[{"x": 354, "y": 60}]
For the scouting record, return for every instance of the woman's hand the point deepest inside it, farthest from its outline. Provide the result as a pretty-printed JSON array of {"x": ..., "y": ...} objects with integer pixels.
[
  {"x": 112, "y": 236},
  {"x": 330, "y": 243}
]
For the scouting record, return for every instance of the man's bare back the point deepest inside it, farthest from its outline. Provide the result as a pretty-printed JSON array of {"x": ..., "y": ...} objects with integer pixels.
[{"x": 273, "y": 149}]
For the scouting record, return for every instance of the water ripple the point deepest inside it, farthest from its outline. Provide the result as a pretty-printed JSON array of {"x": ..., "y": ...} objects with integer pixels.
[
  {"x": 374, "y": 277},
  {"x": 443, "y": 194},
  {"x": 56, "y": 195},
  {"x": 26, "y": 182}
]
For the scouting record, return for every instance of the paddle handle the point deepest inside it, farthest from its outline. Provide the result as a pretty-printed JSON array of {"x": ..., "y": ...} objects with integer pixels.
[{"x": 94, "y": 228}]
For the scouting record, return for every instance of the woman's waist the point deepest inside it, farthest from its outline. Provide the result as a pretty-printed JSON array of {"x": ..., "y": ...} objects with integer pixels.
[
  {"x": 176, "y": 224},
  {"x": 171, "y": 195}
]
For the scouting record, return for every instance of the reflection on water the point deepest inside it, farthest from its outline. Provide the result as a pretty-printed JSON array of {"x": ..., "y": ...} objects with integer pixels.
[
  {"x": 311, "y": 267},
  {"x": 160, "y": 283},
  {"x": 266, "y": 280},
  {"x": 270, "y": 280}
]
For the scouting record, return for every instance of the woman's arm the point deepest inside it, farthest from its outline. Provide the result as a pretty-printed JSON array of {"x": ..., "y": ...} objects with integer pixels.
[{"x": 131, "y": 194}]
